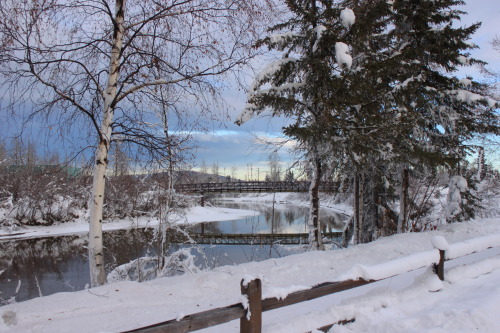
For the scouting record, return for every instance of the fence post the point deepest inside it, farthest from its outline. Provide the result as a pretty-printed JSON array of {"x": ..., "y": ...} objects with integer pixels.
[
  {"x": 440, "y": 243},
  {"x": 253, "y": 290},
  {"x": 440, "y": 267}
]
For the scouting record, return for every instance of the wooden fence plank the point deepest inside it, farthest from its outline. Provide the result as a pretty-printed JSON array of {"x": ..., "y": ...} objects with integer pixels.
[
  {"x": 327, "y": 328},
  {"x": 315, "y": 292},
  {"x": 196, "y": 321}
]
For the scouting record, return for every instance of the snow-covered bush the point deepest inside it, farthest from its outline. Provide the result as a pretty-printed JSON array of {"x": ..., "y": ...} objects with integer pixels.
[
  {"x": 461, "y": 199},
  {"x": 33, "y": 196},
  {"x": 132, "y": 196},
  {"x": 488, "y": 191},
  {"x": 148, "y": 268}
]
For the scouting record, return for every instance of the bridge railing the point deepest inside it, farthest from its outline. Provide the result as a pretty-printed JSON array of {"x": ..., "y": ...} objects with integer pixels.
[{"x": 256, "y": 186}]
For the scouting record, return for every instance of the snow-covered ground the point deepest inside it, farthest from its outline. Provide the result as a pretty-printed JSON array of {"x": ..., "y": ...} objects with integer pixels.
[
  {"x": 193, "y": 215},
  {"x": 468, "y": 301}
]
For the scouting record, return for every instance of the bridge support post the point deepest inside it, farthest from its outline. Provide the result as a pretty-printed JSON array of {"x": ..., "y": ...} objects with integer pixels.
[{"x": 202, "y": 199}]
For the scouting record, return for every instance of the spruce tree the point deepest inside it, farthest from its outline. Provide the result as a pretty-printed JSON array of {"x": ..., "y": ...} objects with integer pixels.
[
  {"x": 439, "y": 112},
  {"x": 371, "y": 82}
]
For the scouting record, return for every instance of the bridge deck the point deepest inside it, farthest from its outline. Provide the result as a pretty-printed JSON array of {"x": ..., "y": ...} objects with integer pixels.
[
  {"x": 260, "y": 239},
  {"x": 255, "y": 186}
]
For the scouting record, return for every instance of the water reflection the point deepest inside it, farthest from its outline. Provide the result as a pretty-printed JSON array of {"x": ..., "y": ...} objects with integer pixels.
[
  {"x": 45, "y": 266},
  {"x": 32, "y": 266},
  {"x": 284, "y": 219}
]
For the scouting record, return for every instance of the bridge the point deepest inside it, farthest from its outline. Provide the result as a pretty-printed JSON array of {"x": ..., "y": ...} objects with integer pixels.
[
  {"x": 255, "y": 186},
  {"x": 259, "y": 239}
]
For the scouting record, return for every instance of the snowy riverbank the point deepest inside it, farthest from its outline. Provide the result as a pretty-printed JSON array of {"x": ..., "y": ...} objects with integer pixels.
[
  {"x": 80, "y": 226},
  {"x": 464, "y": 304},
  {"x": 327, "y": 201},
  {"x": 193, "y": 215}
]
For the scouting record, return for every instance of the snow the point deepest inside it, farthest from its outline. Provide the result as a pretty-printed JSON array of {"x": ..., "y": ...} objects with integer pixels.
[
  {"x": 467, "y": 301},
  {"x": 347, "y": 17},
  {"x": 457, "y": 185},
  {"x": 288, "y": 86},
  {"x": 472, "y": 245},
  {"x": 407, "y": 81},
  {"x": 320, "y": 29},
  {"x": 282, "y": 292},
  {"x": 247, "y": 278},
  {"x": 466, "y": 82},
  {"x": 470, "y": 97},
  {"x": 391, "y": 268},
  {"x": 193, "y": 215},
  {"x": 463, "y": 60},
  {"x": 440, "y": 243},
  {"x": 342, "y": 55},
  {"x": 472, "y": 271},
  {"x": 467, "y": 306},
  {"x": 269, "y": 71},
  {"x": 281, "y": 38},
  {"x": 265, "y": 75}
]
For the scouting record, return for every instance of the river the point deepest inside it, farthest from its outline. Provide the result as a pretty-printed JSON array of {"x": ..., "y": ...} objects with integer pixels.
[{"x": 43, "y": 266}]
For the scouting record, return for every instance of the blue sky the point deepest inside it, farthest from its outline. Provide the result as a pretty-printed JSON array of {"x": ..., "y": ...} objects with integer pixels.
[{"x": 230, "y": 145}]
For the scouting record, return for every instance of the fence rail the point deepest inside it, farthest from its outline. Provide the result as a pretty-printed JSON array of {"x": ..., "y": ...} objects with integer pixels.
[{"x": 256, "y": 305}]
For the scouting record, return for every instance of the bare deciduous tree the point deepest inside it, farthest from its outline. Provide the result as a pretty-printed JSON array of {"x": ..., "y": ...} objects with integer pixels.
[{"x": 95, "y": 67}]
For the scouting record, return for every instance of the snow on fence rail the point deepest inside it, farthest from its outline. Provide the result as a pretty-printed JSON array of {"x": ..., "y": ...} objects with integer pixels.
[{"x": 249, "y": 311}]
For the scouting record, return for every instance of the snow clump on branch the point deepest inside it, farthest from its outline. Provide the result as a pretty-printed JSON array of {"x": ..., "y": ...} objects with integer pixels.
[
  {"x": 320, "y": 29},
  {"x": 470, "y": 97},
  {"x": 268, "y": 72},
  {"x": 342, "y": 54},
  {"x": 262, "y": 78},
  {"x": 347, "y": 17}
]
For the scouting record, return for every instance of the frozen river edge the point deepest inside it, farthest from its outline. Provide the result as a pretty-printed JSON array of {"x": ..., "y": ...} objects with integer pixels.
[{"x": 193, "y": 215}]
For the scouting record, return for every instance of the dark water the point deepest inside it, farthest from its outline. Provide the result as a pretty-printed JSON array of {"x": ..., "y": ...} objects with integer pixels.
[{"x": 45, "y": 266}]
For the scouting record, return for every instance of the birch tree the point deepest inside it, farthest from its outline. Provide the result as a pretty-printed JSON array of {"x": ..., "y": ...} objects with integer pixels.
[{"x": 91, "y": 68}]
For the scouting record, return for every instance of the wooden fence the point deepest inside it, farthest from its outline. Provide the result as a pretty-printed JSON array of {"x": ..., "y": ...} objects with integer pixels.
[{"x": 250, "y": 314}]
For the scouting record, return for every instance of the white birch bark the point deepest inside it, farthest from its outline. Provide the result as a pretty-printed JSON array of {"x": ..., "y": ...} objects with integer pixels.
[{"x": 96, "y": 251}]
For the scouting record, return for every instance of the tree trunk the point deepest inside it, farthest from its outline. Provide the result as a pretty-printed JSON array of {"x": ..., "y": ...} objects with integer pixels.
[
  {"x": 356, "y": 209},
  {"x": 361, "y": 184},
  {"x": 315, "y": 240},
  {"x": 481, "y": 169},
  {"x": 96, "y": 251},
  {"x": 403, "y": 203}
]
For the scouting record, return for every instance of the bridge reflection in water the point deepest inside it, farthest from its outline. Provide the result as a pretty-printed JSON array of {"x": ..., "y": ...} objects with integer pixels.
[{"x": 259, "y": 239}]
